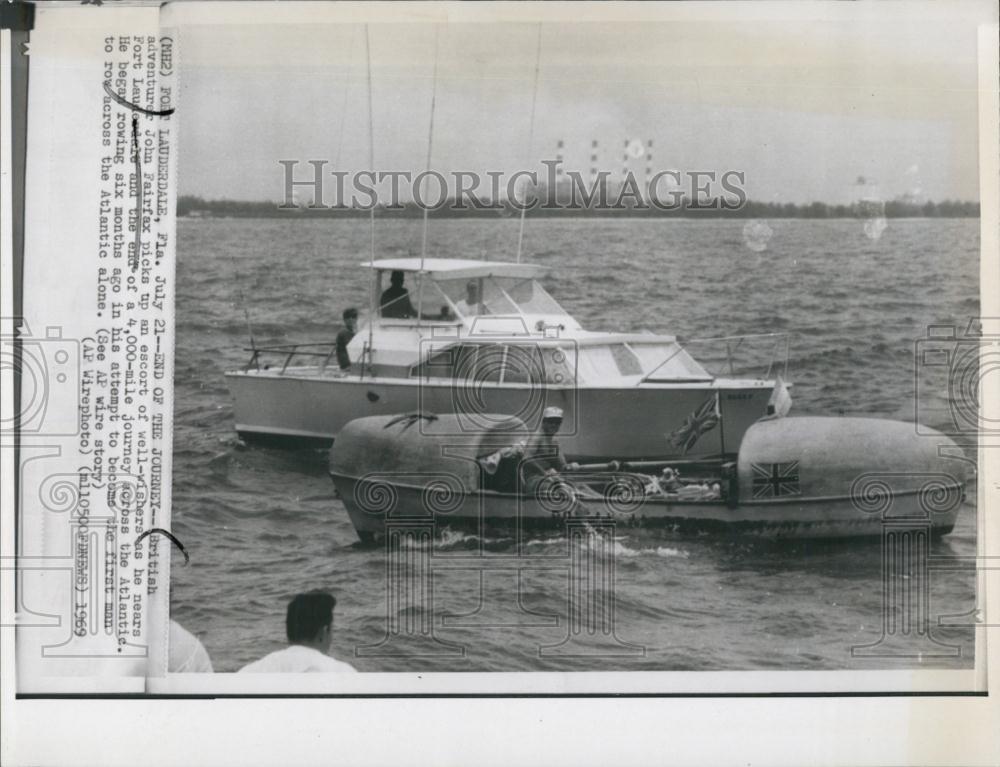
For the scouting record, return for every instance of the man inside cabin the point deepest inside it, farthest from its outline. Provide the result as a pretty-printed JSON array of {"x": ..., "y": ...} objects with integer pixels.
[
  {"x": 395, "y": 302},
  {"x": 469, "y": 307},
  {"x": 542, "y": 456},
  {"x": 344, "y": 337},
  {"x": 309, "y": 628}
]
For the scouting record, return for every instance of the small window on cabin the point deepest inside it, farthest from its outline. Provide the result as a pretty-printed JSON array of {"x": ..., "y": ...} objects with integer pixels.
[
  {"x": 599, "y": 362},
  {"x": 465, "y": 361},
  {"x": 628, "y": 364},
  {"x": 668, "y": 362},
  {"x": 531, "y": 297},
  {"x": 523, "y": 365},
  {"x": 495, "y": 300},
  {"x": 489, "y": 363},
  {"x": 440, "y": 365}
]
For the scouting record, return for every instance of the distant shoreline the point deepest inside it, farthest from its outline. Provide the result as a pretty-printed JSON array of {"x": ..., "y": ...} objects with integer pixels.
[{"x": 196, "y": 207}]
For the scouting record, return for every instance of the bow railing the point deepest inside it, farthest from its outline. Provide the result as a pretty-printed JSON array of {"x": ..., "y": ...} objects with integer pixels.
[
  {"x": 752, "y": 355},
  {"x": 287, "y": 353}
]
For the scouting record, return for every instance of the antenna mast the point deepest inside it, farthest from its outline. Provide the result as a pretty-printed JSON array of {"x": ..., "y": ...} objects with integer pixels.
[
  {"x": 430, "y": 148},
  {"x": 246, "y": 311},
  {"x": 371, "y": 228},
  {"x": 531, "y": 136}
]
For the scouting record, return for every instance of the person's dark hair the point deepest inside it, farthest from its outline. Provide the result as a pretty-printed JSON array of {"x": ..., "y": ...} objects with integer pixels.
[
  {"x": 396, "y": 277},
  {"x": 350, "y": 314},
  {"x": 307, "y": 614}
]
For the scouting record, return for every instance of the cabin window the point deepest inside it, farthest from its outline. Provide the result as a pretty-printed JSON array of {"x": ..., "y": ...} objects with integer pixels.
[
  {"x": 440, "y": 365},
  {"x": 531, "y": 297},
  {"x": 668, "y": 362},
  {"x": 523, "y": 365},
  {"x": 610, "y": 360},
  {"x": 499, "y": 296},
  {"x": 464, "y": 362},
  {"x": 495, "y": 300},
  {"x": 488, "y": 297},
  {"x": 596, "y": 363},
  {"x": 627, "y": 363},
  {"x": 489, "y": 363},
  {"x": 459, "y": 292},
  {"x": 424, "y": 298}
]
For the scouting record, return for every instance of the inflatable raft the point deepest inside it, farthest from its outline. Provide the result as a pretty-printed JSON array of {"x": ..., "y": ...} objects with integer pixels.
[{"x": 796, "y": 477}]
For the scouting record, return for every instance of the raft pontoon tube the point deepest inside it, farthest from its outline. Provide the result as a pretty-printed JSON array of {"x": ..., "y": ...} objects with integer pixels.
[{"x": 795, "y": 477}]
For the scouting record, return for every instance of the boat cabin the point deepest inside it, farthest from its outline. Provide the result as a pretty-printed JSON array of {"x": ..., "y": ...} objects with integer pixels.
[
  {"x": 494, "y": 322},
  {"x": 448, "y": 291}
]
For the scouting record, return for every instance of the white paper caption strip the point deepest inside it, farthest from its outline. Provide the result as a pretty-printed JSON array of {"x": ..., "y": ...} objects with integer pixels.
[{"x": 97, "y": 365}]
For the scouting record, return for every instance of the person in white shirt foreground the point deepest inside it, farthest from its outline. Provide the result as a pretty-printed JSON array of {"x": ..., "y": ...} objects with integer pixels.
[
  {"x": 187, "y": 654},
  {"x": 309, "y": 626}
]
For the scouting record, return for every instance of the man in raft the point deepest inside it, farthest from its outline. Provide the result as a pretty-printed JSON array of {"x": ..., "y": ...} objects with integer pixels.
[
  {"x": 542, "y": 457},
  {"x": 539, "y": 462}
]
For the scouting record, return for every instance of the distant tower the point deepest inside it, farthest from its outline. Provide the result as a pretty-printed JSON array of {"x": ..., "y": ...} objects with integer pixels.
[
  {"x": 593, "y": 160},
  {"x": 560, "y": 156},
  {"x": 635, "y": 151}
]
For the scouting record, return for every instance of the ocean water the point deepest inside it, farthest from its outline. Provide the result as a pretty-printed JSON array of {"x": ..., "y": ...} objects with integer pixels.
[{"x": 262, "y": 524}]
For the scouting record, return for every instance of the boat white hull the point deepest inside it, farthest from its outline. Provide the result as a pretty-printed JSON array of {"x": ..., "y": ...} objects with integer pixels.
[
  {"x": 628, "y": 424},
  {"x": 374, "y": 506}
]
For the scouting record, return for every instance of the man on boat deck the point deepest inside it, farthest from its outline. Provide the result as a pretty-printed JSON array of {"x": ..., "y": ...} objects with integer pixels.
[
  {"x": 470, "y": 306},
  {"x": 344, "y": 337},
  {"x": 542, "y": 456},
  {"x": 395, "y": 302},
  {"x": 309, "y": 628}
]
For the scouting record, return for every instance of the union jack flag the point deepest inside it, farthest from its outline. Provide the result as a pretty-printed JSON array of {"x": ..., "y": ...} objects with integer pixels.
[
  {"x": 773, "y": 480},
  {"x": 702, "y": 420}
]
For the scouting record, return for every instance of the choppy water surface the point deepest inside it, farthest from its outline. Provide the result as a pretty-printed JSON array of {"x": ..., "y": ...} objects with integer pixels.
[{"x": 262, "y": 524}]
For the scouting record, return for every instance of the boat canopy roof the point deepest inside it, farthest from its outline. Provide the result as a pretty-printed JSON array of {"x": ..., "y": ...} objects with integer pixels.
[{"x": 459, "y": 268}]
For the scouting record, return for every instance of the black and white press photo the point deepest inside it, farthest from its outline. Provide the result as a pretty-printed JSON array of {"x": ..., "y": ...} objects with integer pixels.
[
  {"x": 454, "y": 364},
  {"x": 540, "y": 355}
]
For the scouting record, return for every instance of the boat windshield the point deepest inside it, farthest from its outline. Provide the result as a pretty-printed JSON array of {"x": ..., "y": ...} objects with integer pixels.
[
  {"x": 667, "y": 361},
  {"x": 658, "y": 360},
  {"x": 500, "y": 296}
]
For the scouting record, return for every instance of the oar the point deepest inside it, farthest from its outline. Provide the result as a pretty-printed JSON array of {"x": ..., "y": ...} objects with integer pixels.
[{"x": 646, "y": 465}]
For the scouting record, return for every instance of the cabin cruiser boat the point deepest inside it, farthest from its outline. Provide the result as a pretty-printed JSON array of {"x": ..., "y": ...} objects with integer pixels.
[{"x": 484, "y": 337}]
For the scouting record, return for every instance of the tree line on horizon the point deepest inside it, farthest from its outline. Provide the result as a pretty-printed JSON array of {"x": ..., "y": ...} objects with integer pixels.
[{"x": 190, "y": 206}]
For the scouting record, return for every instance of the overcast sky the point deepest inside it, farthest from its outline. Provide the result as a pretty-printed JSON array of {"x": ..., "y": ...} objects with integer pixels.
[{"x": 803, "y": 103}]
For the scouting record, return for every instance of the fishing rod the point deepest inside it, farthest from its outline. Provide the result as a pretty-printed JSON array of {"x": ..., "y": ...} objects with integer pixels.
[
  {"x": 531, "y": 138},
  {"x": 430, "y": 150},
  {"x": 243, "y": 305},
  {"x": 371, "y": 238}
]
